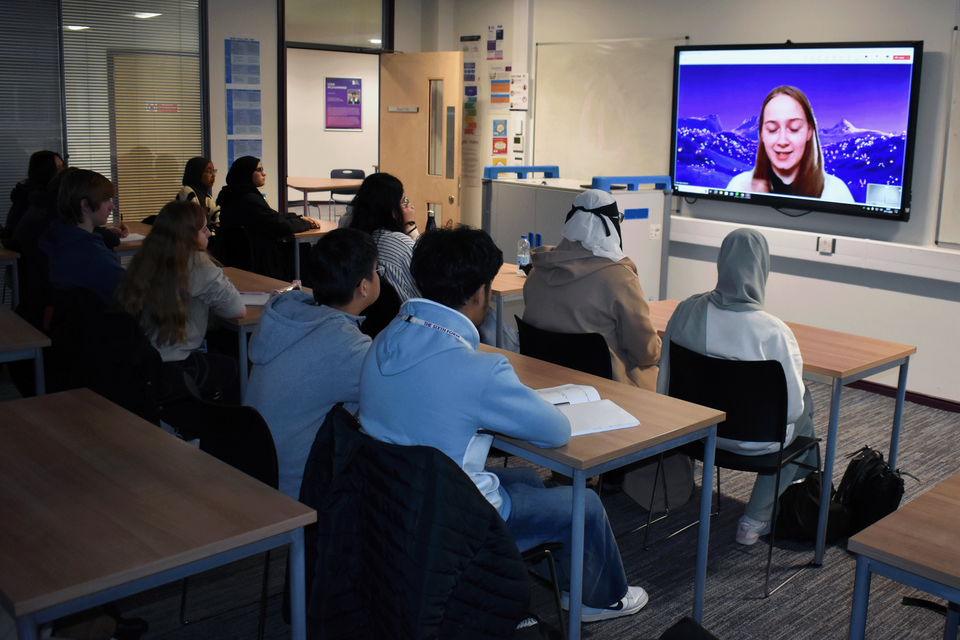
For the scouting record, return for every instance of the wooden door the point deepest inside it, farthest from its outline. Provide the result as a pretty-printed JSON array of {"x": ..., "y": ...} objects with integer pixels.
[{"x": 421, "y": 124}]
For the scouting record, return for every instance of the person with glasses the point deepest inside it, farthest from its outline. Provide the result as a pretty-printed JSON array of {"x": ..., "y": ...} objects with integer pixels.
[
  {"x": 382, "y": 209},
  {"x": 242, "y": 205},
  {"x": 307, "y": 350},
  {"x": 587, "y": 285},
  {"x": 199, "y": 177}
]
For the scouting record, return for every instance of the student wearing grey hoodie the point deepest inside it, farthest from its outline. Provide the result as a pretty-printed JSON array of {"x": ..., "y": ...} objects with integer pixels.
[{"x": 307, "y": 351}]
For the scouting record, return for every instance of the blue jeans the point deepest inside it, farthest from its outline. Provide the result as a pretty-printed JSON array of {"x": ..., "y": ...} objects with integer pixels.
[{"x": 538, "y": 515}]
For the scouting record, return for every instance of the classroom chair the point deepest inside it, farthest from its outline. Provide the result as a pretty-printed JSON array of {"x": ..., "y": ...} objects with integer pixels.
[
  {"x": 354, "y": 174},
  {"x": 753, "y": 394},
  {"x": 240, "y": 437},
  {"x": 586, "y": 352}
]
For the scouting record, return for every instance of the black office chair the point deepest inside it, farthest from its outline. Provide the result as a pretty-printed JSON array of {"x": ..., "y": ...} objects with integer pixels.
[
  {"x": 378, "y": 315},
  {"x": 586, "y": 352},
  {"x": 240, "y": 437},
  {"x": 349, "y": 174},
  {"x": 753, "y": 394}
]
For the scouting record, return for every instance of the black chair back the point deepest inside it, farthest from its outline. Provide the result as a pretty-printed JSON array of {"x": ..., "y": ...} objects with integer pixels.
[
  {"x": 586, "y": 352},
  {"x": 236, "y": 248},
  {"x": 753, "y": 393},
  {"x": 380, "y": 313},
  {"x": 349, "y": 174}
]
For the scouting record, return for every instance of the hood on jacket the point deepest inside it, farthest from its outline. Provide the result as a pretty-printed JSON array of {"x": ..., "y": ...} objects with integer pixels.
[
  {"x": 570, "y": 261},
  {"x": 403, "y": 345},
  {"x": 287, "y": 319}
]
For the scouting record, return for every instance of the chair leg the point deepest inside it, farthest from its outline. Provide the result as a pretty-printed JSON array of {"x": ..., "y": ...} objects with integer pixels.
[
  {"x": 556, "y": 594},
  {"x": 661, "y": 472},
  {"x": 653, "y": 497},
  {"x": 183, "y": 602},
  {"x": 263, "y": 596}
]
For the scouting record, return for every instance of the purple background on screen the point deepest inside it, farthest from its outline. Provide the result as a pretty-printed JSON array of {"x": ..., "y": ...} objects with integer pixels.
[{"x": 715, "y": 141}]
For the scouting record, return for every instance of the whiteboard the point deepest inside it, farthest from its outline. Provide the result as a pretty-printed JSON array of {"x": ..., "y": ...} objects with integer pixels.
[
  {"x": 949, "y": 231},
  {"x": 604, "y": 107}
]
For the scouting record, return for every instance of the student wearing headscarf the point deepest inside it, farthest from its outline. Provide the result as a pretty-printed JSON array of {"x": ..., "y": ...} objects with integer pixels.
[
  {"x": 199, "y": 177},
  {"x": 242, "y": 205},
  {"x": 43, "y": 166},
  {"x": 730, "y": 322},
  {"x": 587, "y": 285}
]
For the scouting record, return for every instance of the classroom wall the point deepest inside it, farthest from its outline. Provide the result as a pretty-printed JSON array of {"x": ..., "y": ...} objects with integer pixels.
[
  {"x": 244, "y": 19},
  {"x": 313, "y": 152}
]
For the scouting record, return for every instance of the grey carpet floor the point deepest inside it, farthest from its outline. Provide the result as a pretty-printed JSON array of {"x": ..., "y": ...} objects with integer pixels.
[{"x": 815, "y": 605}]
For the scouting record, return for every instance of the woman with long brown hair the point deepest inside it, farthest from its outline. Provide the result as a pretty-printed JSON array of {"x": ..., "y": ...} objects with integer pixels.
[{"x": 170, "y": 287}]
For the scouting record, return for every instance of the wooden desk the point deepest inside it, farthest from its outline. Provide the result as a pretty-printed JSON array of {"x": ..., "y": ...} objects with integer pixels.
[
  {"x": 918, "y": 545},
  {"x": 98, "y": 504},
  {"x": 9, "y": 258},
  {"x": 247, "y": 281},
  {"x": 506, "y": 287},
  {"x": 130, "y": 247},
  {"x": 20, "y": 341},
  {"x": 665, "y": 423},
  {"x": 313, "y": 185},
  {"x": 311, "y": 236},
  {"x": 837, "y": 359}
]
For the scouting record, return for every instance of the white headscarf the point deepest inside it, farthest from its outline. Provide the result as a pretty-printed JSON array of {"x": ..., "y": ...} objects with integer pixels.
[{"x": 597, "y": 235}]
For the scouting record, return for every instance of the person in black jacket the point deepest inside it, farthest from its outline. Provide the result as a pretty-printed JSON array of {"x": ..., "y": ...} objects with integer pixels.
[
  {"x": 43, "y": 166},
  {"x": 242, "y": 205}
]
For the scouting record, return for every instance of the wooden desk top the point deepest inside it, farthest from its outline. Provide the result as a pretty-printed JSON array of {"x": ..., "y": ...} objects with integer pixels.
[
  {"x": 312, "y": 235},
  {"x": 508, "y": 282},
  {"x": 16, "y": 333},
  {"x": 661, "y": 417},
  {"x": 7, "y": 256},
  {"x": 94, "y": 497},
  {"x": 247, "y": 281},
  {"x": 829, "y": 353},
  {"x": 921, "y": 537},
  {"x": 132, "y": 246},
  {"x": 309, "y": 185}
]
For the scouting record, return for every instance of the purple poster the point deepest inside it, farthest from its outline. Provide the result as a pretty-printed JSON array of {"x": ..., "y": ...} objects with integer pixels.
[{"x": 344, "y": 99}]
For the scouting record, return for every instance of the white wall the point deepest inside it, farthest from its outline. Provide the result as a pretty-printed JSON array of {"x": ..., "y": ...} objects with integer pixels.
[
  {"x": 244, "y": 19},
  {"x": 311, "y": 151}
]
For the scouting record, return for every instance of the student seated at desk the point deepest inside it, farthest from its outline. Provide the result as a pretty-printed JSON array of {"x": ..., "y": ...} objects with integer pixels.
[
  {"x": 242, "y": 205},
  {"x": 425, "y": 383},
  {"x": 44, "y": 165},
  {"x": 199, "y": 176},
  {"x": 171, "y": 287},
  {"x": 76, "y": 253},
  {"x": 383, "y": 210},
  {"x": 730, "y": 322},
  {"x": 307, "y": 351},
  {"x": 587, "y": 285}
]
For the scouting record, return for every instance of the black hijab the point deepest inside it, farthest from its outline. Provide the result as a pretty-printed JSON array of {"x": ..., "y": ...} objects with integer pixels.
[
  {"x": 241, "y": 172},
  {"x": 193, "y": 177}
]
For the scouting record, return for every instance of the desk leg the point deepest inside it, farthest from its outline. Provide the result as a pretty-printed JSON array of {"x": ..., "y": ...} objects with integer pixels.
[
  {"x": 828, "y": 471},
  {"x": 499, "y": 344},
  {"x": 38, "y": 378},
  {"x": 27, "y": 628},
  {"x": 953, "y": 621},
  {"x": 298, "y": 592},
  {"x": 306, "y": 204},
  {"x": 898, "y": 414},
  {"x": 242, "y": 337},
  {"x": 861, "y": 594},
  {"x": 576, "y": 553},
  {"x": 703, "y": 529},
  {"x": 296, "y": 258}
]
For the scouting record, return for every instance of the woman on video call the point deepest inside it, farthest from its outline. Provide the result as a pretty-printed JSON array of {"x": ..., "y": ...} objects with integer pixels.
[{"x": 789, "y": 157}]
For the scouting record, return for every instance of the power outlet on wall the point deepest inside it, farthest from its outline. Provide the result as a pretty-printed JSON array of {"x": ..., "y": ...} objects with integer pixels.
[
  {"x": 655, "y": 231},
  {"x": 826, "y": 246}
]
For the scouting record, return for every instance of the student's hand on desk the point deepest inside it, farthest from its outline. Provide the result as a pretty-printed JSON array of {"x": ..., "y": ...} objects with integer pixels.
[
  {"x": 123, "y": 230},
  {"x": 313, "y": 222}
]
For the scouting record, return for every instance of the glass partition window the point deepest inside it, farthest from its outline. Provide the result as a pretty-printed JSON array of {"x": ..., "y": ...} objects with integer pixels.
[
  {"x": 358, "y": 23},
  {"x": 437, "y": 121}
]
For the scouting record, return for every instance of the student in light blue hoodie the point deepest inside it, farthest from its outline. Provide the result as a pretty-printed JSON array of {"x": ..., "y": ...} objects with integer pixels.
[
  {"x": 425, "y": 383},
  {"x": 307, "y": 351}
]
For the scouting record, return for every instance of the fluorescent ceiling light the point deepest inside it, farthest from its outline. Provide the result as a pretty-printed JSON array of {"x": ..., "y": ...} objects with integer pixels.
[
  {"x": 74, "y": 28},
  {"x": 146, "y": 15},
  {"x": 376, "y": 41}
]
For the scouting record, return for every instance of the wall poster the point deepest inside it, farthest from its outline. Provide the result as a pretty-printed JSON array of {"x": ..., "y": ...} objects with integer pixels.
[{"x": 343, "y": 100}]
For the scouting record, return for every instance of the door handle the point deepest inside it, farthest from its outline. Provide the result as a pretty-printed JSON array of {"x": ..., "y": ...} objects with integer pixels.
[{"x": 450, "y": 198}]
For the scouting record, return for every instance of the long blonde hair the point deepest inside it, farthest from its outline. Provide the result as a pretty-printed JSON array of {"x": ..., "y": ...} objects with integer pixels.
[{"x": 156, "y": 287}]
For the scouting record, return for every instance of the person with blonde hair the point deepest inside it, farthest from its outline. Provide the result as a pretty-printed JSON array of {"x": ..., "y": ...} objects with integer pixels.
[{"x": 171, "y": 286}]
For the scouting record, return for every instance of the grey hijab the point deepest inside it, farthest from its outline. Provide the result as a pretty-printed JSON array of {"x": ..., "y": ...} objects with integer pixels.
[{"x": 742, "y": 269}]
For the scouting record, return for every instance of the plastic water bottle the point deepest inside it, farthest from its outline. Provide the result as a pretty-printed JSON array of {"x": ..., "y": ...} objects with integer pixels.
[
  {"x": 431, "y": 221},
  {"x": 523, "y": 253}
]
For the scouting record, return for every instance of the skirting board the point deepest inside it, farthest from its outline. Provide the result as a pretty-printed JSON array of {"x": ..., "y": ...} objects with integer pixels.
[{"x": 921, "y": 262}]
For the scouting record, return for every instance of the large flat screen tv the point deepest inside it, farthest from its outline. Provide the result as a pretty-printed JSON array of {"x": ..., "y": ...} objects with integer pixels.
[{"x": 798, "y": 127}]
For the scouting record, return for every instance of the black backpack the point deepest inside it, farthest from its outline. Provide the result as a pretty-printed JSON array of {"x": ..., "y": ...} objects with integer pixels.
[{"x": 870, "y": 489}]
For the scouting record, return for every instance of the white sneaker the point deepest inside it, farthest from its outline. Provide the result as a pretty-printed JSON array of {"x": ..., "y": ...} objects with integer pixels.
[
  {"x": 750, "y": 530},
  {"x": 631, "y": 603}
]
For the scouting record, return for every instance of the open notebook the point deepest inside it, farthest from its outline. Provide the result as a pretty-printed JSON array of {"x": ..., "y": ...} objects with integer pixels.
[{"x": 586, "y": 411}]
